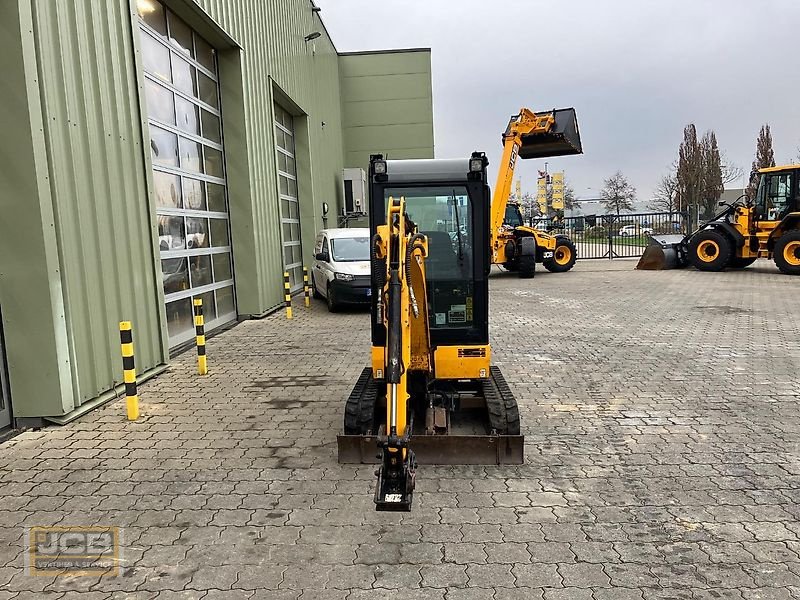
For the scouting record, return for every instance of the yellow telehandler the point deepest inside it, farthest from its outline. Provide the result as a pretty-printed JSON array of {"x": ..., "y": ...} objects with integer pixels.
[{"x": 514, "y": 245}]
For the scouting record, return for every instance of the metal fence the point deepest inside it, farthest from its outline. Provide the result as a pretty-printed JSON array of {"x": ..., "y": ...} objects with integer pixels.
[{"x": 615, "y": 236}]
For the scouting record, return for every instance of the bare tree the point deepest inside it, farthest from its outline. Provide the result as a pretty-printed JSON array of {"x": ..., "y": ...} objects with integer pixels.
[
  {"x": 730, "y": 171},
  {"x": 617, "y": 194},
  {"x": 765, "y": 157},
  {"x": 689, "y": 172},
  {"x": 665, "y": 196},
  {"x": 711, "y": 182}
]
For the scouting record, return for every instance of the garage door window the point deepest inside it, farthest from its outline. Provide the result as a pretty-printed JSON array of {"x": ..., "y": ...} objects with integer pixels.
[{"x": 186, "y": 145}]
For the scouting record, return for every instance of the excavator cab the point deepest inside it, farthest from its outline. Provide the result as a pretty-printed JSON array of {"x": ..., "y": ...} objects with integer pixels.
[{"x": 430, "y": 395}]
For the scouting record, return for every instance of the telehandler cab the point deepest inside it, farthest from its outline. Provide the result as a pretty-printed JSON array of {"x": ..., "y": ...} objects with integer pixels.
[{"x": 514, "y": 245}]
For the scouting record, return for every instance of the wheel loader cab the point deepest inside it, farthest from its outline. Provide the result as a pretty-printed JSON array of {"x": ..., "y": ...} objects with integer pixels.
[
  {"x": 777, "y": 195},
  {"x": 449, "y": 204}
]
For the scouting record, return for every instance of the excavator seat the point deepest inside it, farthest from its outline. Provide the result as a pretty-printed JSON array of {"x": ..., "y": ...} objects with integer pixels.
[{"x": 563, "y": 139}]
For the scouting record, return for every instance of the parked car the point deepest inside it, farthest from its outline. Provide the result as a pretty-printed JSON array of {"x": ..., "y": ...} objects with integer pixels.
[
  {"x": 340, "y": 273},
  {"x": 635, "y": 230}
]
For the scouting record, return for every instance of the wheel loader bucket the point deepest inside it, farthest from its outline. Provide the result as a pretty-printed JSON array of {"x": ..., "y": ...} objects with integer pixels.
[
  {"x": 563, "y": 139},
  {"x": 484, "y": 430},
  {"x": 664, "y": 252}
]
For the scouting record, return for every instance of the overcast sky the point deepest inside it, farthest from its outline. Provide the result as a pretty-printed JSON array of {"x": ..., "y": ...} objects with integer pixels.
[{"x": 636, "y": 71}]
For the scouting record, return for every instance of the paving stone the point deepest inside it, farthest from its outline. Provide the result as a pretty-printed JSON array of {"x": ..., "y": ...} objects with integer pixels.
[
  {"x": 661, "y": 459},
  {"x": 443, "y": 576}
]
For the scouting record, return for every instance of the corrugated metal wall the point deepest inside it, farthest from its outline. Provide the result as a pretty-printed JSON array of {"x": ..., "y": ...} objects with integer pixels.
[
  {"x": 93, "y": 137},
  {"x": 272, "y": 34},
  {"x": 387, "y": 105},
  {"x": 92, "y": 169}
]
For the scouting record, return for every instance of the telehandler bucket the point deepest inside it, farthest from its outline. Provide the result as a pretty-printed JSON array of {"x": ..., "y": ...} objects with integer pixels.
[
  {"x": 664, "y": 252},
  {"x": 563, "y": 139}
]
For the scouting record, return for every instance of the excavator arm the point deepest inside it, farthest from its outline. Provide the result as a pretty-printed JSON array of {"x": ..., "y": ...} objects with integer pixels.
[
  {"x": 401, "y": 251},
  {"x": 530, "y": 135}
]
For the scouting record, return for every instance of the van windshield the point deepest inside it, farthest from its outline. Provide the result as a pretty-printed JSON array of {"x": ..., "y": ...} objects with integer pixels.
[{"x": 350, "y": 249}]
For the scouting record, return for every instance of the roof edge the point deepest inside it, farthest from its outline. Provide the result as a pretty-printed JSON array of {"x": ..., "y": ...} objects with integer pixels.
[{"x": 388, "y": 51}]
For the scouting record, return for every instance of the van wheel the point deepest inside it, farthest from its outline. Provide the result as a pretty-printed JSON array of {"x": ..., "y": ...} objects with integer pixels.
[
  {"x": 314, "y": 289},
  {"x": 333, "y": 306},
  {"x": 710, "y": 250},
  {"x": 787, "y": 253}
]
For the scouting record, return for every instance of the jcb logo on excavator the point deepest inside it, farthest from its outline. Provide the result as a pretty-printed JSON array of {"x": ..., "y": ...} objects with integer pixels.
[{"x": 513, "y": 160}]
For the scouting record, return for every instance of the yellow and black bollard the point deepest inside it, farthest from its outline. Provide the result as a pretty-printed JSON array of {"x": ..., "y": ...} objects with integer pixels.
[
  {"x": 200, "y": 337},
  {"x": 287, "y": 294},
  {"x": 129, "y": 370},
  {"x": 306, "y": 289}
]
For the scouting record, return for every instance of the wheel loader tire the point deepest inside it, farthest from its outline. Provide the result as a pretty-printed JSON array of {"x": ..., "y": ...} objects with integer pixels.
[
  {"x": 359, "y": 410},
  {"x": 710, "y": 250},
  {"x": 787, "y": 253},
  {"x": 501, "y": 404},
  {"x": 741, "y": 263},
  {"x": 564, "y": 256},
  {"x": 527, "y": 258}
]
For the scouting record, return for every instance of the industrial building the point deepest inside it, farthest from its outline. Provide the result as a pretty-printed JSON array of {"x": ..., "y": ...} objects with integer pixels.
[{"x": 158, "y": 151}]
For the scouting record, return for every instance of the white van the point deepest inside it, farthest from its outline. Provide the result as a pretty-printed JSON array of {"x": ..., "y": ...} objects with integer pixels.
[{"x": 341, "y": 267}]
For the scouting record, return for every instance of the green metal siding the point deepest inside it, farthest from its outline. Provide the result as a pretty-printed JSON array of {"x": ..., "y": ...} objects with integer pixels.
[
  {"x": 80, "y": 253},
  {"x": 387, "y": 105},
  {"x": 92, "y": 144},
  {"x": 97, "y": 178},
  {"x": 275, "y": 55},
  {"x": 31, "y": 298}
]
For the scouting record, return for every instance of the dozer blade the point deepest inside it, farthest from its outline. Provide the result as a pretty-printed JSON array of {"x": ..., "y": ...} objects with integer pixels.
[
  {"x": 563, "y": 139},
  {"x": 663, "y": 252},
  {"x": 483, "y": 431}
]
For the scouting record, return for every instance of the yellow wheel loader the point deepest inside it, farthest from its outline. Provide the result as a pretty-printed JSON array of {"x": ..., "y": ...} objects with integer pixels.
[
  {"x": 430, "y": 394},
  {"x": 767, "y": 227},
  {"x": 514, "y": 245}
]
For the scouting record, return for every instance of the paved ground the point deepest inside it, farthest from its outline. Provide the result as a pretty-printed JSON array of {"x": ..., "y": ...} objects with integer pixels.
[{"x": 662, "y": 459}]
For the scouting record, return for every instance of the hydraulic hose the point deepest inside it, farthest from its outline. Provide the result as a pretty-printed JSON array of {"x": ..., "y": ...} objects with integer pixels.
[{"x": 410, "y": 247}]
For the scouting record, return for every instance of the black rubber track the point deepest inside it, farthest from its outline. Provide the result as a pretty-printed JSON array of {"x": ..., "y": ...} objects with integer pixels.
[
  {"x": 501, "y": 404},
  {"x": 359, "y": 410}
]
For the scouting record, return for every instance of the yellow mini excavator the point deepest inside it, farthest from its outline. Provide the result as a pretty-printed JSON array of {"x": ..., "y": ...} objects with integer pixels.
[
  {"x": 431, "y": 394},
  {"x": 514, "y": 245},
  {"x": 766, "y": 227}
]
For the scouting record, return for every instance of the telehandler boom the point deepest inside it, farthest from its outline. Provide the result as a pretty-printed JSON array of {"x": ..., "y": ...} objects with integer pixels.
[{"x": 514, "y": 245}]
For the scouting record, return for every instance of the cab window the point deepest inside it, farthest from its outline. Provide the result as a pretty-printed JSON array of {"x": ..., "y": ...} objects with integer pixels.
[
  {"x": 775, "y": 196},
  {"x": 325, "y": 247},
  {"x": 513, "y": 216}
]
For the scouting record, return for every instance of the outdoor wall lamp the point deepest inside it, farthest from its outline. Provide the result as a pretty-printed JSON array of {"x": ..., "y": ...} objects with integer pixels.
[{"x": 312, "y": 36}]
